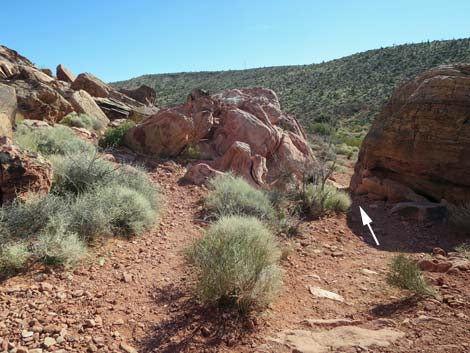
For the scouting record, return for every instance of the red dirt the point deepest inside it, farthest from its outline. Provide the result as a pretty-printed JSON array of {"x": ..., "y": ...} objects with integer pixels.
[{"x": 142, "y": 293}]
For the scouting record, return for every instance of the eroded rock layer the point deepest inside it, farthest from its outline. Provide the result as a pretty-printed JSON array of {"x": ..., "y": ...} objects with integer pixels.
[{"x": 419, "y": 145}]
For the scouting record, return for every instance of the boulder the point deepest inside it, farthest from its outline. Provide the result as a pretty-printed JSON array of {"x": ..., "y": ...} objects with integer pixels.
[
  {"x": 242, "y": 131},
  {"x": 7, "y": 110},
  {"x": 40, "y": 101},
  {"x": 22, "y": 172},
  {"x": 143, "y": 94},
  {"x": 421, "y": 139},
  {"x": 63, "y": 74},
  {"x": 48, "y": 72},
  {"x": 82, "y": 102},
  {"x": 92, "y": 84},
  {"x": 201, "y": 173},
  {"x": 169, "y": 131},
  {"x": 115, "y": 108},
  {"x": 421, "y": 211}
]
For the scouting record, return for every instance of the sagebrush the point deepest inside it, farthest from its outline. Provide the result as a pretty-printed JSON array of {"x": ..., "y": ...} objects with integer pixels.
[
  {"x": 237, "y": 264},
  {"x": 231, "y": 195}
]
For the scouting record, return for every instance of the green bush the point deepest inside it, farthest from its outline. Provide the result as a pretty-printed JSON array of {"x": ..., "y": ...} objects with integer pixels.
[
  {"x": 232, "y": 195},
  {"x": 460, "y": 216},
  {"x": 83, "y": 121},
  {"x": 51, "y": 140},
  {"x": 323, "y": 129},
  {"x": 114, "y": 137},
  {"x": 58, "y": 246},
  {"x": 405, "y": 274},
  {"x": 318, "y": 199},
  {"x": 237, "y": 264},
  {"x": 76, "y": 174},
  {"x": 13, "y": 257},
  {"x": 23, "y": 219}
]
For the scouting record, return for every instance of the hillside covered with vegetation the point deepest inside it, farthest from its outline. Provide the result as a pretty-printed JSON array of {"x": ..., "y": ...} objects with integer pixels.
[{"x": 348, "y": 91}]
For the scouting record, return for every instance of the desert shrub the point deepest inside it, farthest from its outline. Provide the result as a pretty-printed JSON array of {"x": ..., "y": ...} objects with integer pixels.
[
  {"x": 136, "y": 178},
  {"x": 82, "y": 121},
  {"x": 13, "y": 257},
  {"x": 323, "y": 129},
  {"x": 22, "y": 219},
  {"x": 405, "y": 273},
  {"x": 56, "y": 245},
  {"x": 76, "y": 174},
  {"x": 232, "y": 195},
  {"x": 237, "y": 263},
  {"x": 53, "y": 140},
  {"x": 460, "y": 216},
  {"x": 317, "y": 199},
  {"x": 114, "y": 137}
]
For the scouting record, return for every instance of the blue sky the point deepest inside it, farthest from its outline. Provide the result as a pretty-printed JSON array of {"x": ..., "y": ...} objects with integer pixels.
[{"x": 120, "y": 39}]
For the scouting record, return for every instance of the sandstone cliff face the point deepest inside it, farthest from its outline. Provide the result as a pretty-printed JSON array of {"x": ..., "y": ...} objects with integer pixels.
[
  {"x": 242, "y": 130},
  {"x": 421, "y": 140}
]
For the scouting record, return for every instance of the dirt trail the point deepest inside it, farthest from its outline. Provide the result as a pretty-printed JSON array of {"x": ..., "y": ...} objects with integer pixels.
[{"x": 137, "y": 294}]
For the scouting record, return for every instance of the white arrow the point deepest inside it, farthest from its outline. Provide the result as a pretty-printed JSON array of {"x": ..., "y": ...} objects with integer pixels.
[{"x": 366, "y": 220}]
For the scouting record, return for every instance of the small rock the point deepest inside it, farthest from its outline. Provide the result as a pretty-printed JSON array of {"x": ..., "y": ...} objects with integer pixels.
[
  {"x": 128, "y": 349},
  {"x": 321, "y": 293},
  {"x": 49, "y": 342},
  {"x": 26, "y": 334}
]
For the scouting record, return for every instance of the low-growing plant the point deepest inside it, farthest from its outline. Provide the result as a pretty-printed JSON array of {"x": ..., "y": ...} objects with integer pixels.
[
  {"x": 232, "y": 195},
  {"x": 319, "y": 199},
  {"x": 83, "y": 121},
  {"x": 76, "y": 174},
  {"x": 13, "y": 257},
  {"x": 237, "y": 264},
  {"x": 48, "y": 141},
  {"x": 56, "y": 245},
  {"x": 464, "y": 249},
  {"x": 405, "y": 273},
  {"x": 460, "y": 216},
  {"x": 114, "y": 137}
]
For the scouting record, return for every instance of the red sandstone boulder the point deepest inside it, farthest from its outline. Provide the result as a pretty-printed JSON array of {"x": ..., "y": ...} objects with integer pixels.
[
  {"x": 82, "y": 102},
  {"x": 242, "y": 131},
  {"x": 22, "y": 172},
  {"x": 143, "y": 94},
  {"x": 92, "y": 84},
  {"x": 63, "y": 74},
  {"x": 421, "y": 140}
]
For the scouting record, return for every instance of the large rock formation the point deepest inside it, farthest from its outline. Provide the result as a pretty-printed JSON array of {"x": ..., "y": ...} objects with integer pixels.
[
  {"x": 240, "y": 130},
  {"x": 21, "y": 172},
  {"x": 419, "y": 145},
  {"x": 40, "y": 96}
]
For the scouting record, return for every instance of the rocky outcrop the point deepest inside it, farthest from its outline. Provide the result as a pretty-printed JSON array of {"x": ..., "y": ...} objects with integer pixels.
[
  {"x": 143, "y": 94},
  {"x": 420, "y": 141},
  {"x": 40, "y": 96},
  {"x": 82, "y": 102},
  {"x": 242, "y": 131},
  {"x": 63, "y": 74},
  {"x": 91, "y": 84},
  {"x": 40, "y": 101},
  {"x": 21, "y": 172},
  {"x": 7, "y": 110}
]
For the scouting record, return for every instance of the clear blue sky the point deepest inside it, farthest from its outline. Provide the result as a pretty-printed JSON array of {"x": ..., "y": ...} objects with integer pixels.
[{"x": 117, "y": 39}]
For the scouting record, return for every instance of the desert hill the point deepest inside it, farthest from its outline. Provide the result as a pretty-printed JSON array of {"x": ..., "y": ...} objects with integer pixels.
[{"x": 351, "y": 89}]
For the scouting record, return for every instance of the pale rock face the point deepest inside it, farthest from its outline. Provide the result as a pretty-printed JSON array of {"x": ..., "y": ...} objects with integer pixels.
[
  {"x": 240, "y": 131},
  {"x": 421, "y": 139},
  {"x": 82, "y": 102},
  {"x": 7, "y": 110}
]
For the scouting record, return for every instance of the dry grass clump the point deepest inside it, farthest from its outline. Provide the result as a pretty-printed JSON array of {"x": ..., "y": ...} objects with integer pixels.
[
  {"x": 405, "y": 273},
  {"x": 237, "y": 264}
]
